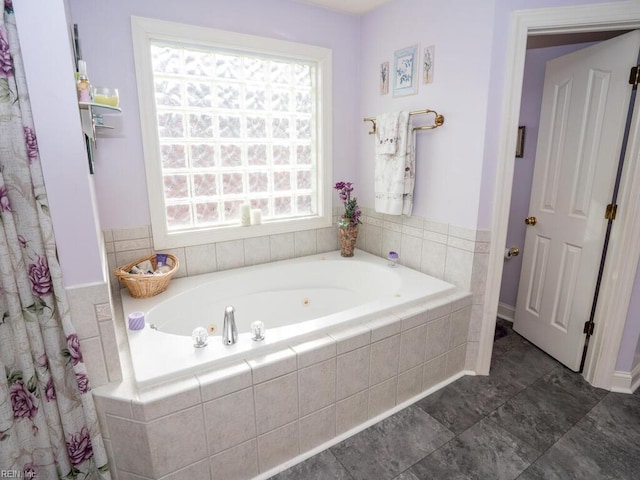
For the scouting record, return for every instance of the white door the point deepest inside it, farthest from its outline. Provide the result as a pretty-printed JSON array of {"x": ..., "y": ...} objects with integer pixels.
[{"x": 584, "y": 109}]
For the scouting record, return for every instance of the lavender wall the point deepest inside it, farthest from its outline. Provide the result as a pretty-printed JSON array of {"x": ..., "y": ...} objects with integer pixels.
[
  {"x": 105, "y": 33},
  {"x": 449, "y": 159}
]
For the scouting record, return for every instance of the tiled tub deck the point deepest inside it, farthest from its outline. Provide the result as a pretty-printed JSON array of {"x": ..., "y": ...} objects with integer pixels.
[{"x": 255, "y": 417}]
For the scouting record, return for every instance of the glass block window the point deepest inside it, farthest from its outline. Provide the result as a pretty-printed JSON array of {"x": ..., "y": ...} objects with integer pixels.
[
  {"x": 234, "y": 127},
  {"x": 229, "y": 119}
]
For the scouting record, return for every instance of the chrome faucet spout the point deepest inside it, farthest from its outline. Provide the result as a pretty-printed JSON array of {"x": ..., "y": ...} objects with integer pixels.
[{"x": 229, "y": 330}]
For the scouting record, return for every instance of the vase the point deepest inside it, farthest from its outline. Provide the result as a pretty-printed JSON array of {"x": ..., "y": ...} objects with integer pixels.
[{"x": 347, "y": 237}]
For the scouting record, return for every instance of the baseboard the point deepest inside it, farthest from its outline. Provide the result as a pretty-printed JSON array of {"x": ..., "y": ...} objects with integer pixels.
[
  {"x": 626, "y": 382},
  {"x": 506, "y": 312}
]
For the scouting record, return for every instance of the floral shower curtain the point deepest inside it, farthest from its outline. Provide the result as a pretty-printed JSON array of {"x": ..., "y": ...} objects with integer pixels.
[{"x": 48, "y": 423}]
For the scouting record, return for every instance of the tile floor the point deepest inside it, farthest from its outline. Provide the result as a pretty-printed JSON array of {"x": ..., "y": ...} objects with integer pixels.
[{"x": 530, "y": 419}]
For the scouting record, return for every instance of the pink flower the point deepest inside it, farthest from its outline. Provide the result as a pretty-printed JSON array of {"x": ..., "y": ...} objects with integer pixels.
[
  {"x": 42, "y": 360},
  {"x": 40, "y": 277},
  {"x": 49, "y": 391},
  {"x": 32, "y": 144},
  {"x": 22, "y": 401},
  {"x": 6, "y": 62},
  {"x": 73, "y": 344},
  {"x": 83, "y": 382},
  {"x": 79, "y": 447},
  {"x": 5, "y": 206}
]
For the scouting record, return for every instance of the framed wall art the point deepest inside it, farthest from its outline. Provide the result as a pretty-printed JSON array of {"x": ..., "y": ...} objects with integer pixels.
[
  {"x": 384, "y": 78},
  {"x": 404, "y": 71},
  {"x": 428, "y": 62}
]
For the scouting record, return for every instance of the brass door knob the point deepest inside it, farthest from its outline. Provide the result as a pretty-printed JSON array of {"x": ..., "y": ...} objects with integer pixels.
[{"x": 531, "y": 221}]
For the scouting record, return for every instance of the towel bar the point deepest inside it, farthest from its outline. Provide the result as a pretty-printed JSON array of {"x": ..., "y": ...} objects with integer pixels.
[{"x": 437, "y": 122}]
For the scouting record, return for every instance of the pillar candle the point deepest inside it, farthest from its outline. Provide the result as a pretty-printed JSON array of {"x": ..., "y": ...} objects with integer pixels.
[
  {"x": 256, "y": 216},
  {"x": 245, "y": 215}
]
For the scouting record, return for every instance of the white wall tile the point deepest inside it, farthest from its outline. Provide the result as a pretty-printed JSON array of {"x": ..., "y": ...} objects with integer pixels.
[
  {"x": 382, "y": 397},
  {"x": 409, "y": 383},
  {"x": 272, "y": 365},
  {"x": 384, "y": 359},
  {"x": 352, "y": 411},
  {"x": 237, "y": 463},
  {"x": 276, "y": 402},
  {"x": 437, "y": 337},
  {"x": 433, "y": 258},
  {"x": 278, "y": 446},
  {"x": 201, "y": 259},
  {"x": 352, "y": 372},
  {"x": 413, "y": 344},
  {"x": 224, "y": 381},
  {"x": 230, "y": 254},
  {"x": 230, "y": 420},
  {"x": 305, "y": 243},
  {"x": 435, "y": 371},
  {"x": 282, "y": 246},
  {"x": 257, "y": 250},
  {"x": 317, "y": 428},
  {"x": 317, "y": 386},
  {"x": 315, "y": 351}
]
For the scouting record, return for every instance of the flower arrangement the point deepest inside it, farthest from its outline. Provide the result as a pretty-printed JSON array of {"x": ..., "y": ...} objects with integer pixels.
[{"x": 351, "y": 215}]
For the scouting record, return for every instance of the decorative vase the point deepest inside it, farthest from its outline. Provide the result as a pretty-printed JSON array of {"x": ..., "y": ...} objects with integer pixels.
[{"x": 347, "y": 237}]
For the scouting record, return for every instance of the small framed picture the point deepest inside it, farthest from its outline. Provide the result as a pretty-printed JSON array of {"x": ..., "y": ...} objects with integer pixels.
[
  {"x": 428, "y": 59},
  {"x": 404, "y": 71},
  {"x": 384, "y": 78},
  {"x": 520, "y": 143}
]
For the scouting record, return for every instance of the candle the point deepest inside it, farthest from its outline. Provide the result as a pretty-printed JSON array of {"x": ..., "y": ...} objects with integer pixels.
[
  {"x": 245, "y": 215},
  {"x": 136, "y": 320},
  {"x": 256, "y": 216}
]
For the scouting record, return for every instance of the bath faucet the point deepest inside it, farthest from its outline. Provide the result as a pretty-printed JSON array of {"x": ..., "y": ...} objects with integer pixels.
[{"x": 229, "y": 330}]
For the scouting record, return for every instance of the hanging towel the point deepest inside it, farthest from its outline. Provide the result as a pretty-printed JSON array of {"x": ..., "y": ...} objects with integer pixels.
[
  {"x": 395, "y": 173},
  {"x": 387, "y": 133}
]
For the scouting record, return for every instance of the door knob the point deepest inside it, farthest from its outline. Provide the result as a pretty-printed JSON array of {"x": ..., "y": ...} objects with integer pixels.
[{"x": 531, "y": 221}]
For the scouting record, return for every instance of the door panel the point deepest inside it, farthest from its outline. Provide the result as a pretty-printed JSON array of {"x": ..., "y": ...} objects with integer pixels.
[{"x": 584, "y": 106}]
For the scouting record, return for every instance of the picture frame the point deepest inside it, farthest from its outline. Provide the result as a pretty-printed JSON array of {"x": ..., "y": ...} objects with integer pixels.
[
  {"x": 404, "y": 71},
  {"x": 384, "y": 78},
  {"x": 428, "y": 63},
  {"x": 520, "y": 142}
]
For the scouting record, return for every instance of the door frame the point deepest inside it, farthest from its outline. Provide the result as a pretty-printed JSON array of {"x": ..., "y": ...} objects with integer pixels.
[{"x": 624, "y": 247}]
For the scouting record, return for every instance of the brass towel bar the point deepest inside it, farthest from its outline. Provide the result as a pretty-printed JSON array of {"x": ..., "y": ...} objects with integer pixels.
[{"x": 437, "y": 122}]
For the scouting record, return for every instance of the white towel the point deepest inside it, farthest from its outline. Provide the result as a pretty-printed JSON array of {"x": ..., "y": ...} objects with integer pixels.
[
  {"x": 395, "y": 173},
  {"x": 387, "y": 133}
]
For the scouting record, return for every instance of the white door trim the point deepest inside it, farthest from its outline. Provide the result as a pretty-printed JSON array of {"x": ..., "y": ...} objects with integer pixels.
[{"x": 624, "y": 248}]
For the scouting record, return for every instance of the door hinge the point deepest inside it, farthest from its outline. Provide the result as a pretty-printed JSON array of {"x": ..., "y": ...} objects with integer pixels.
[
  {"x": 588, "y": 328},
  {"x": 610, "y": 212},
  {"x": 634, "y": 76}
]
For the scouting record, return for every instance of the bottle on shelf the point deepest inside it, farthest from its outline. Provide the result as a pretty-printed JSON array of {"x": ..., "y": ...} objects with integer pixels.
[{"x": 83, "y": 85}]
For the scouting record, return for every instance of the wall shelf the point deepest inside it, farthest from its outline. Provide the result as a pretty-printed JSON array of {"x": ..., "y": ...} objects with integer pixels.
[{"x": 89, "y": 113}]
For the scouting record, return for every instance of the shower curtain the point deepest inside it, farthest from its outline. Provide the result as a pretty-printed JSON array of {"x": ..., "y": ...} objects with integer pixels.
[{"x": 48, "y": 423}]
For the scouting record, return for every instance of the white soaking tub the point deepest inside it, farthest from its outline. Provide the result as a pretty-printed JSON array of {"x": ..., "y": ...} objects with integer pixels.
[{"x": 296, "y": 299}]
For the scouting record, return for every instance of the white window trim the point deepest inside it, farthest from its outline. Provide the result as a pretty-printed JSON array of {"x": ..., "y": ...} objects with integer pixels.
[{"x": 144, "y": 30}]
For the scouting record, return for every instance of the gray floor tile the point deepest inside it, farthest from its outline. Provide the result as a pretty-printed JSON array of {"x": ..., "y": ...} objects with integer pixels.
[
  {"x": 485, "y": 451},
  {"x": 406, "y": 475},
  {"x": 391, "y": 446},
  {"x": 585, "y": 453},
  {"x": 617, "y": 416},
  {"x": 572, "y": 382},
  {"x": 464, "y": 402},
  {"x": 522, "y": 365},
  {"x": 540, "y": 415},
  {"x": 322, "y": 466}
]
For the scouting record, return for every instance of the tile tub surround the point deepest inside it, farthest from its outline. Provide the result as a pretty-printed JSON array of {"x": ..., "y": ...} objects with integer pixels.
[
  {"x": 458, "y": 255},
  {"x": 258, "y": 416}
]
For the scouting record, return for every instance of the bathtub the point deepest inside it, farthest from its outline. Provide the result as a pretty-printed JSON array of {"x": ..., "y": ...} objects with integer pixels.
[{"x": 296, "y": 300}]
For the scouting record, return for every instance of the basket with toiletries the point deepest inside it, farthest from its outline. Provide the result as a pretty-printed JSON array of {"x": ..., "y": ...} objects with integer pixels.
[{"x": 148, "y": 276}]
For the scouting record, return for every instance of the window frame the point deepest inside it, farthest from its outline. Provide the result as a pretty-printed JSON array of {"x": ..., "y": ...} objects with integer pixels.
[{"x": 146, "y": 30}]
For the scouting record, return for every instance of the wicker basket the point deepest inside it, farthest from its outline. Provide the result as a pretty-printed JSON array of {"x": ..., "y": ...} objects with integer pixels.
[{"x": 146, "y": 286}]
